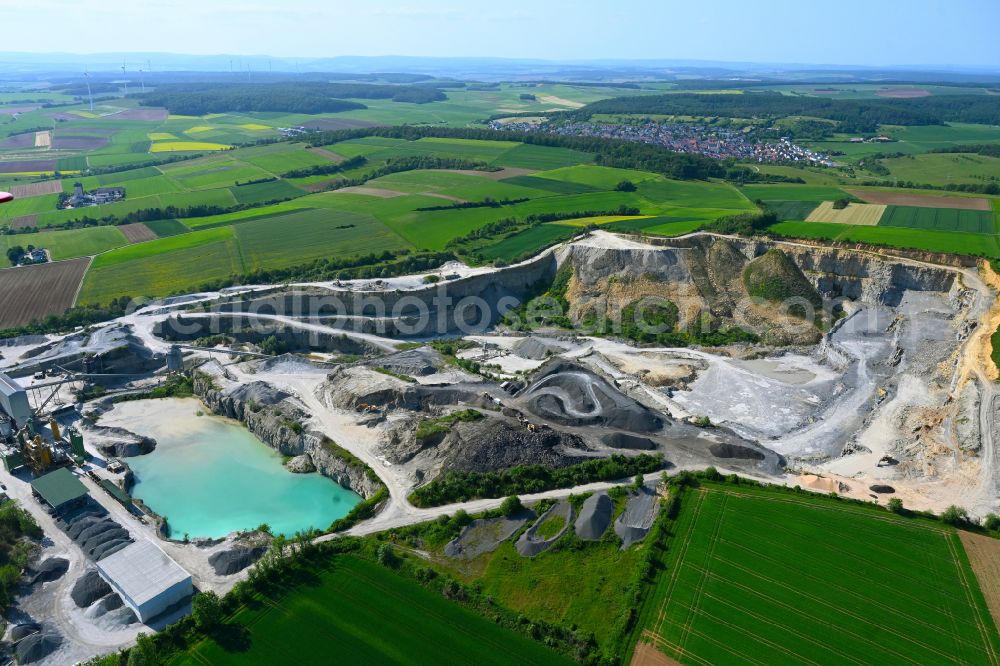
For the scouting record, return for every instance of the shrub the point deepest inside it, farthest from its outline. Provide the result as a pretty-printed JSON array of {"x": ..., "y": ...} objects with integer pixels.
[
  {"x": 955, "y": 515},
  {"x": 511, "y": 505},
  {"x": 895, "y": 505}
]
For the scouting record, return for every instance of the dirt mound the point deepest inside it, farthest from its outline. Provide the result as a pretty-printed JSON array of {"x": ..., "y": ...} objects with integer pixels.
[
  {"x": 730, "y": 450},
  {"x": 485, "y": 535},
  {"x": 623, "y": 440},
  {"x": 882, "y": 489},
  {"x": 228, "y": 562},
  {"x": 88, "y": 588},
  {"x": 50, "y": 570},
  {"x": 595, "y": 516},
  {"x": 569, "y": 394}
]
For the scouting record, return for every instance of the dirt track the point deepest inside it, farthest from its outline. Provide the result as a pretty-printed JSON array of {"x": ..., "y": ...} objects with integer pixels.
[
  {"x": 920, "y": 200},
  {"x": 984, "y": 556},
  {"x": 647, "y": 655},
  {"x": 33, "y": 292}
]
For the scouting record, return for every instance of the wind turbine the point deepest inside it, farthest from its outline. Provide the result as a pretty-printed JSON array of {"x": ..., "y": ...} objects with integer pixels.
[
  {"x": 126, "y": 80},
  {"x": 141, "y": 82},
  {"x": 86, "y": 73}
]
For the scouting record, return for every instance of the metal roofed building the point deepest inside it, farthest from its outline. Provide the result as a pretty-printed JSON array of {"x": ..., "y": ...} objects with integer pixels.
[
  {"x": 14, "y": 400},
  {"x": 59, "y": 489},
  {"x": 146, "y": 578}
]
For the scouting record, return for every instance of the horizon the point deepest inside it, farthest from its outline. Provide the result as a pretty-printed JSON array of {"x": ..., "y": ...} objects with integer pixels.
[{"x": 933, "y": 34}]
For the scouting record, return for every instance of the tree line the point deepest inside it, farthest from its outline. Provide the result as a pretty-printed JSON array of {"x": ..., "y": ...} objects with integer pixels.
[
  {"x": 327, "y": 169},
  {"x": 457, "y": 486},
  {"x": 851, "y": 115},
  {"x": 198, "y": 99}
]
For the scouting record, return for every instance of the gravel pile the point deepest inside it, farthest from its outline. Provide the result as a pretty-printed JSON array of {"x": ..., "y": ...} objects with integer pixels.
[
  {"x": 37, "y": 646},
  {"x": 637, "y": 518},
  {"x": 571, "y": 395},
  {"x": 623, "y": 440},
  {"x": 88, "y": 588},
  {"x": 228, "y": 562},
  {"x": 492, "y": 444},
  {"x": 595, "y": 516},
  {"x": 51, "y": 569}
]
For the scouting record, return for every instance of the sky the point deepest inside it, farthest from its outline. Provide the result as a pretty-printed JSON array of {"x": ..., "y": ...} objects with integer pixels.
[{"x": 850, "y": 32}]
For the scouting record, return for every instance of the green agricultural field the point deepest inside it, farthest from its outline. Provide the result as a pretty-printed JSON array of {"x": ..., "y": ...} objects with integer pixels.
[
  {"x": 951, "y": 242},
  {"x": 806, "y": 579},
  {"x": 261, "y": 192},
  {"x": 209, "y": 173},
  {"x": 360, "y": 612},
  {"x": 528, "y": 156},
  {"x": 647, "y": 223},
  {"x": 912, "y": 140},
  {"x": 67, "y": 244},
  {"x": 528, "y": 242},
  {"x": 793, "y": 193},
  {"x": 301, "y": 237},
  {"x": 162, "y": 267},
  {"x": 598, "y": 177},
  {"x": 363, "y": 146},
  {"x": 165, "y": 228},
  {"x": 673, "y": 226},
  {"x": 433, "y": 229},
  {"x": 279, "y": 158},
  {"x": 469, "y": 187},
  {"x": 220, "y": 197},
  {"x": 945, "y": 168},
  {"x": 694, "y": 194},
  {"x": 466, "y": 149},
  {"x": 549, "y": 185},
  {"x": 226, "y": 219},
  {"x": 941, "y": 219},
  {"x": 28, "y": 206},
  {"x": 791, "y": 210}
]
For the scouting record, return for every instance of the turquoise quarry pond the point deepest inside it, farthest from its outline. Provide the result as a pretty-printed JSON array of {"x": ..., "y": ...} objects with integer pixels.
[{"x": 210, "y": 476}]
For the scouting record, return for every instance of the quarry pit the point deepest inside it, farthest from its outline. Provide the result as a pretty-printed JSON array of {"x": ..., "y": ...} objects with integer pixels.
[{"x": 368, "y": 386}]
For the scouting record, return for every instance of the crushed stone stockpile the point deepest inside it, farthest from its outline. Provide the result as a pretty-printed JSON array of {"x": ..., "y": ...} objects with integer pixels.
[
  {"x": 37, "y": 646},
  {"x": 418, "y": 362},
  {"x": 536, "y": 349},
  {"x": 595, "y": 516},
  {"x": 492, "y": 444},
  {"x": 529, "y": 545},
  {"x": 88, "y": 588},
  {"x": 228, "y": 562},
  {"x": 95, "y": 532},
  {"x": 485, "y": 535},
  {"x": 49, "y": 570},
  {"x": 637, "y": 518},
  {"x": 623, "y": 440},
  {"x": 569, "y": 394}
]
